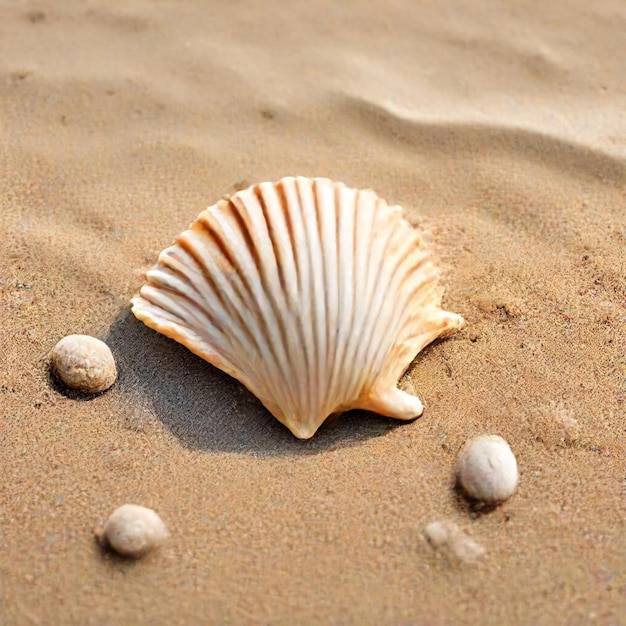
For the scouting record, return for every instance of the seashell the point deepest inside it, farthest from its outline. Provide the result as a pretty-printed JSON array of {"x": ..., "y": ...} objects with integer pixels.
[{"x": 315, "y": 296}]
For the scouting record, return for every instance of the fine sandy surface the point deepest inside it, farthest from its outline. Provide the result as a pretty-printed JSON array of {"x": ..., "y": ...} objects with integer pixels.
[{"x": 498, "y": 126}]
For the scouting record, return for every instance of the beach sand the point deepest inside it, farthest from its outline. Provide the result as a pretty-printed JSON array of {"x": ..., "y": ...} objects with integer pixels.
[{"x": 499, "y": 127}]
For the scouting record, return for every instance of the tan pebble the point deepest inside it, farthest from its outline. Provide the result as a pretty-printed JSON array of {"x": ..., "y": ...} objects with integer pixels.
[
  {"x": 486, "y": 469},
  {"x": 134, "y": 530},
  {"x": 83, "y": 363},
  {"x": 446, "y": 537}
]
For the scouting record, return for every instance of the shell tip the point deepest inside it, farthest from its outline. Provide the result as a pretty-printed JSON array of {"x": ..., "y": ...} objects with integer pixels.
[{"x": 394, "y": 403}]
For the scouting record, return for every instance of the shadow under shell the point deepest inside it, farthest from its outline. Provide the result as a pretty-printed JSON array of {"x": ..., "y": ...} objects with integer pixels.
[{"x": 208, "y": 410}]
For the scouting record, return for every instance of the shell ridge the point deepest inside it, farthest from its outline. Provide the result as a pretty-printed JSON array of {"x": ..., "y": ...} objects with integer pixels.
[
  {"x": 186, "y": 271},
  {"x": 245, "y": 257},
  {"x": 276, "y": 215},
  {"x": 192, "y": 242},
  {"x": 414, "y": 294},
  {"x": 189, "y": 312},
  {"x": 282, "y": 242},
  {"x": 421, "y": 261},
  {"x": 363, "y": 233},
  {"x": 302, "y": 305},
  {"x": 317, "y": 304},
  {"x": 326, "y": 196},
  {"x": 141, "y": 307},
  {"x": 384, "y": 318},
  {"x": 359, "y": 254},
  {"x": 424, "y": 293},
  {"x": 276, "y": 270},
  {"x": 222, "y": 295},
  {"x": 232, "y": 231},
  {"x": 274, "y": 281},
  {"x": 157, "y": 295},
  {"x": 327, "y": 202},
  {"x": 243, "y": 269},
  {"x": 415, "y": 297},
  {"x": 346, "y": 207},
  {"x": 388, "y": 327},
  {"x": 156, "y": 298},
  {"x": 306, "y": 313},
  {"x": 189, "y": 279},
  {"x": 401, "y": 352},
  {"x": 282, "y": 191},
  {"x": 207, "y": 226},
  {"x": 244, "y": 339},
  {"x": 267, "y": 285},
  {"x": 376, "y": 251},
  {"x": 318, "y": 300},
  {"x": 351, "y": 321},
  {"x": 248, "y": 270}
]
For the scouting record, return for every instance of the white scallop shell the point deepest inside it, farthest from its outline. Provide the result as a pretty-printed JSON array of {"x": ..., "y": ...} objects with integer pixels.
[{"x": 315, "y": 296}]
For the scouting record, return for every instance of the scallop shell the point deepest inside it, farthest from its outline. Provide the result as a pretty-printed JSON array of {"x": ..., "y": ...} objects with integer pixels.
[{"x": 315, "y": 296}]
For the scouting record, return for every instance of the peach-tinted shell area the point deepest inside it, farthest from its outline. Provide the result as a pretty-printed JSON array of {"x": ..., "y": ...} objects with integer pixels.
[{"x": 314, "y": 295}]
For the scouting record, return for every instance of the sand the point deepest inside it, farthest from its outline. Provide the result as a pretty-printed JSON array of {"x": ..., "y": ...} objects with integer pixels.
[{"x": 498, "y": 126}]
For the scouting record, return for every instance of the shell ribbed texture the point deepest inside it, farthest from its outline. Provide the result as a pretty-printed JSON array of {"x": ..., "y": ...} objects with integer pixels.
[{"x": 315, "y": 296}]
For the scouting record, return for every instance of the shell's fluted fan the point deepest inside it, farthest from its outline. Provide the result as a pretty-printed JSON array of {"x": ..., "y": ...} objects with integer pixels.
[{"x": 315, "y": 296}]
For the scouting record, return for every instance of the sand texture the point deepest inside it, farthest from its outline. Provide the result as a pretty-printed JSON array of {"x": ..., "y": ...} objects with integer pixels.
[{"x": 500, "y": 128}]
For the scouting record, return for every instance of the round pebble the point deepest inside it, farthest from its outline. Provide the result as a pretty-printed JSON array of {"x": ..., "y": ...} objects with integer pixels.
[
  {"x": 486, "y": 469},
  {"x": 134, "y": 530},
  {"x": 83, "y": 363}
]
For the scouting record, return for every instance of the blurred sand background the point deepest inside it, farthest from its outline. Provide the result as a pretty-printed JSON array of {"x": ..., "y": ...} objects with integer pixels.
[{"x": 499, "y": 126}]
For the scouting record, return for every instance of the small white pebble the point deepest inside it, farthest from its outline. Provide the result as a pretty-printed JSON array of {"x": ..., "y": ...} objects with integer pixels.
[
  {"x": 486, "y": 469},
  {"x": 134, "y": 530},
  {"x": 446, "y": 537},
  {"x": 83, "y": 363}
]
